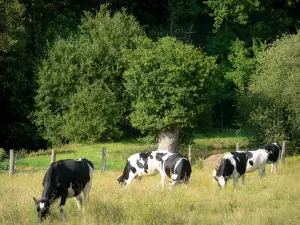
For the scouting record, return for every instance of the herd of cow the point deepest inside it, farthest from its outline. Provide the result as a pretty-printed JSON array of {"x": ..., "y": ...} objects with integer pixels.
[{"x": 70, "y": 178}]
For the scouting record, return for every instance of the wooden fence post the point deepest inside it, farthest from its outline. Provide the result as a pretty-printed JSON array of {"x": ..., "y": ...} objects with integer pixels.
[
  {"x": 53, "y": 156},
  {"x": 237, "y": 147},
  {"x": 283, "y": 153},
  {"x": 11, "y": 162},
  {"x": 204, "y": 153},
  {"x": 190, "y": 154},
  {"x": 103, "y": 165}
]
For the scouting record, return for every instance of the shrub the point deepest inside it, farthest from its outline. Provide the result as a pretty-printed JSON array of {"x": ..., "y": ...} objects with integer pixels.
[{"x": 2, "y": 154}]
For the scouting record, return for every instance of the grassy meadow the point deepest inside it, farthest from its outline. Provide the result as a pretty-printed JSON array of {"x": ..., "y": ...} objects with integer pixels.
[
  {"x": 118, "y": 152},
  {"x": 274, "y": 199}
]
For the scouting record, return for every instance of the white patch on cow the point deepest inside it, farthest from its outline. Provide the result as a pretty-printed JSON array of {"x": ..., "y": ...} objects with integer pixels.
[
  {"x": 91, "y": 171},
  {"x": 214, "y": 172},
  {"x": 221, "y": 181},
  {"x": 80, "y": 159},
  {"x": 276, "y": 144},
  {"x": 174, "y": 176},
  {"x": 41, "y": 205},
  {"x": 87, "y": 189},
  {"x": 258, "y": 160},
  {"x": 71, "y": 192},
  {"x": 176, "y": 165}
]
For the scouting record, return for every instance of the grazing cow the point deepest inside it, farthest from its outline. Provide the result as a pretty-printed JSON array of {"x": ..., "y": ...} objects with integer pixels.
[
  {"x": 65, "y": 179},
  {"x": 173, "y": 165},
  {"x": 275, "y": 152},
  {"x": 236, "y": 164}
]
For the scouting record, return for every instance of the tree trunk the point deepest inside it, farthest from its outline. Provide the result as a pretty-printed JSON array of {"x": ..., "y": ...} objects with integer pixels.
[{"x": 169, "y": 140}]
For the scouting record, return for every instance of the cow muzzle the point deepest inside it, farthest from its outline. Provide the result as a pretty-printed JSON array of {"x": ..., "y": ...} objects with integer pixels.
[{"x": 121, "y": 181}]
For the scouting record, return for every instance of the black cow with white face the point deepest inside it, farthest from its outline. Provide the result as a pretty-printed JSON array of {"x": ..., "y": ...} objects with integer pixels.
[
  {"x": 233, "y": 165},
  {"x": 65, "y": 179},
  {"x": 173, "y": 165},
  {"x": 275, "y": 153}
]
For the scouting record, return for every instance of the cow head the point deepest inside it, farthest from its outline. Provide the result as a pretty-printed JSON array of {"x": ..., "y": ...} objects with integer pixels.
[
  {"x": 43, "y": 206},
  {"x": 221, "y": 180},
  {"x": 121, "y": 180}
]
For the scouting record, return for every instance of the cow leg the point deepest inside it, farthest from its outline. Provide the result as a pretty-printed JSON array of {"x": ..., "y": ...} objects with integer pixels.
[
  {"x": 79, "y": 201},
  {"x": 272, "y": 168},
  {"x": 262, "y": 171},
  {"x": 275, "y": 166},
  {"x": 174, "y": 178},
  {"x": 163, "y": 176},
  {"x": 86, "y": 192},
  {"x": 87, "y": 189},
  {"x": 62, "y": 204},
  {"x": 130, "y": 178},
  {"x": 243, "y": 180},
  {"x": 235, "y": 180}
]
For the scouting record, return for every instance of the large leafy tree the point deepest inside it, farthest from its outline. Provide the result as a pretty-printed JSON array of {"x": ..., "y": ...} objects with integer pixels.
[
  {"x": 80, "y": 95},
  {"x": 170, "y": 84},
  {"x": 272, "y": 98}
]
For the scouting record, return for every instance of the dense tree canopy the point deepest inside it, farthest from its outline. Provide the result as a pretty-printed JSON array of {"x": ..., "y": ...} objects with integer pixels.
[
  {"x": 170, "y": 84},
  {"x": 79, "y": 50},
  {"x": 80, "y": 95},
  {"x": 16, "y": 84}
]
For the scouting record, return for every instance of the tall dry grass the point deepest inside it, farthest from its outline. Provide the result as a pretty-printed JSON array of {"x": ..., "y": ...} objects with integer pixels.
[{"x": 274, "y": 199}]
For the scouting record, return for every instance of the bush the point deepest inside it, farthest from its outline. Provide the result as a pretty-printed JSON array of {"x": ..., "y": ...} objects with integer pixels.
[
  {"x": 2, "y": 154},
  {"x": 272, "y": 101}
]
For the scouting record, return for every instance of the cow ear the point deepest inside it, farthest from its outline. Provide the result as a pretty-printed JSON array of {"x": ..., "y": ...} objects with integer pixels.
[
  {"x": 35, "y": 200},
  {"x": 216, "y": 178}
]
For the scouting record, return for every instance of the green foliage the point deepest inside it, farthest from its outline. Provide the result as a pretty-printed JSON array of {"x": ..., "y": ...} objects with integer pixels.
[
  {"x": 2, "y": 154},
  {"x": 12, "y": 27},
  {"x": 232, "y": 11},
  {"x": 273, "y": 95},
  {"x": 97, "y": 107},
  {"x": 170, "y": 84},
  {"x": 243, "y": 62},
  {"x": 80, "y": 95},
  {"x": 16, "y": 83}
]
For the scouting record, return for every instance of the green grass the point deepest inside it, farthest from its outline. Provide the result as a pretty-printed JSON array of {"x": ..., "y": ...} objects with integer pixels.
[
  {"x": 272, "y": 200},
  {"x": 117, "y": 153}
]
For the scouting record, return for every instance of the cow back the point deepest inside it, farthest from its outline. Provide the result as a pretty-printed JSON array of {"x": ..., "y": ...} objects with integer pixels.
[
  {"x": 274, "y": 149},
  {"x": 61, "y": 174},
  {"x": 175, "y": 163}
]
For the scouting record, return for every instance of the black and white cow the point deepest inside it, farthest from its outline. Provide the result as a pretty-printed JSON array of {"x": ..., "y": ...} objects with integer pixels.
[
  {"x": 173, "y": 165},
  {"x": 236, "y": 164},
  {"x": 65, "y": 179},
  {"x": 275, "y": 153}
]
